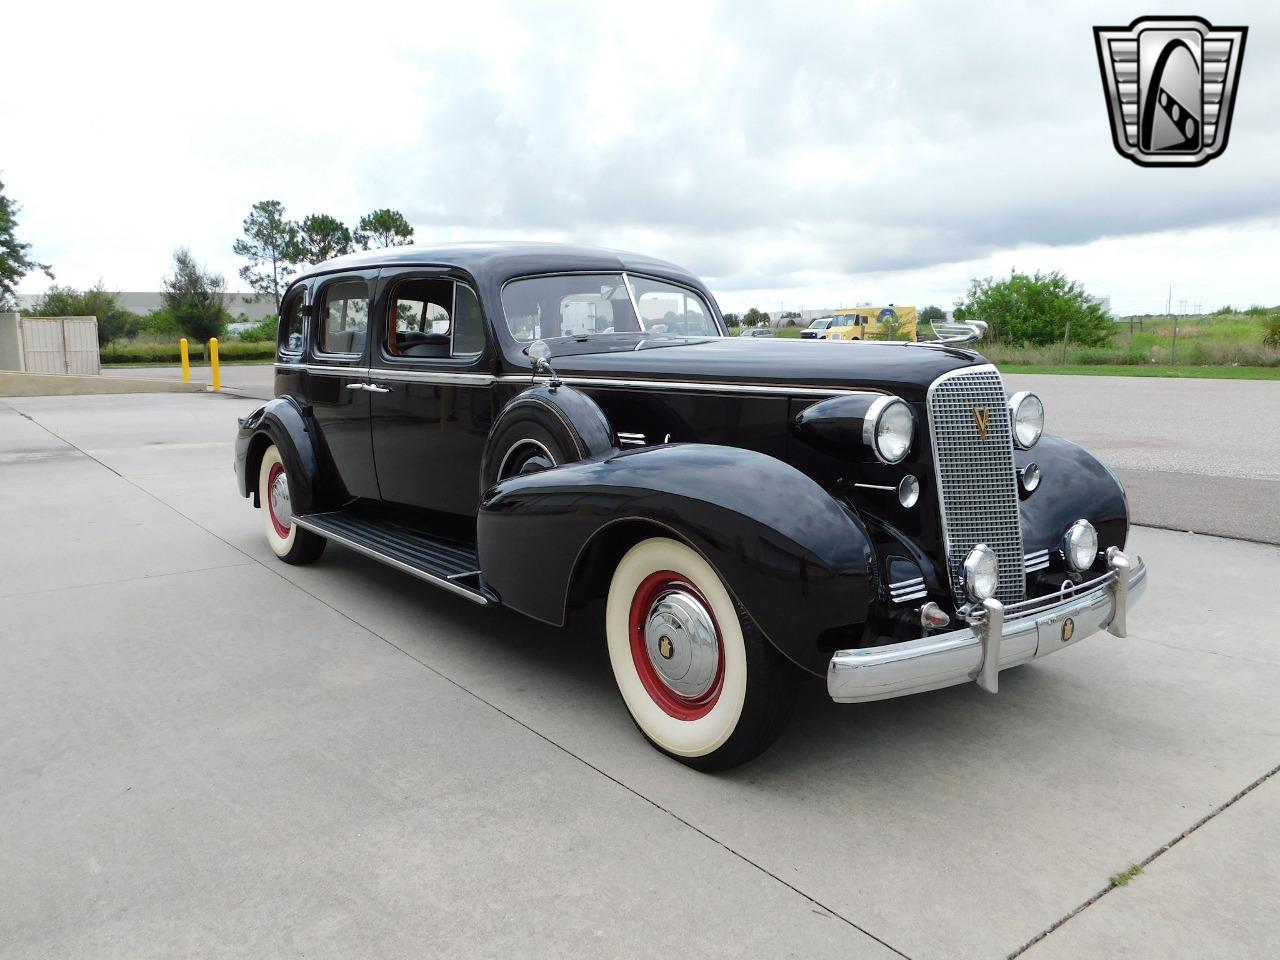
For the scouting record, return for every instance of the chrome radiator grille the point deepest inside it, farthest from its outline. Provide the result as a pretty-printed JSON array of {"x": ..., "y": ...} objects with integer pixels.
[{"x": 977, "y": 484}]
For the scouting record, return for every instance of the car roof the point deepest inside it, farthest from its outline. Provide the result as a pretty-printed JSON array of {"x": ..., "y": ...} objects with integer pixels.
[{"x": 500, "y": 261}]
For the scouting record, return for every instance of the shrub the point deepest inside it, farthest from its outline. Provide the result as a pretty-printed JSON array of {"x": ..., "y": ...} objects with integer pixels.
[
  {"x": 1271, "y": 332},
  {"x": 159, "y": 323},
  {"x": 259, "y": 332},
  {"x": 168, "y": 352},
  {"x": 1037, "y": 309}
]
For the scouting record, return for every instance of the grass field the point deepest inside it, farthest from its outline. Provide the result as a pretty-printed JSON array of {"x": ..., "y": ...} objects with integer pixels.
[{"x": 1186, "y": 371}]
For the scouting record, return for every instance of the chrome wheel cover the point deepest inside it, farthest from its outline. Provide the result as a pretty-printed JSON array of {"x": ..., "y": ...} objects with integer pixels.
[
  {"x": 279, "y": 494},
  {"x": 680, "y": 639}
]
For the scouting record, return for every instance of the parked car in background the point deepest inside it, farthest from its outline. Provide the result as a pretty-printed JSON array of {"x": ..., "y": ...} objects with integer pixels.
[
  {"x": 819, "y": 329},
  {"x": 756, "y": 332},
  {"x": 556, "y": 429}
]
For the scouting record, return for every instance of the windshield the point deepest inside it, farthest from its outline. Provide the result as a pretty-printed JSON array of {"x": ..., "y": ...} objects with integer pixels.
[
  {"x": 587, "y": 304},
  {"x": 819, "y": 325}
]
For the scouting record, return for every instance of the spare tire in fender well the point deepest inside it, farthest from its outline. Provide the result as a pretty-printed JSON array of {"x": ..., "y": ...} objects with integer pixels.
[{"x": 573, "y": 423}]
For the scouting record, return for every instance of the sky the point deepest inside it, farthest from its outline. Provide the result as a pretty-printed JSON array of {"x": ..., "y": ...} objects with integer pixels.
[{"x": 792, "y": 155}]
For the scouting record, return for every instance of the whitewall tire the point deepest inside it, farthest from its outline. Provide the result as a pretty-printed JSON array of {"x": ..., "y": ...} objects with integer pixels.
[
  {"x": 287, "y": 540},
  {"x": 697, "y": 677}
]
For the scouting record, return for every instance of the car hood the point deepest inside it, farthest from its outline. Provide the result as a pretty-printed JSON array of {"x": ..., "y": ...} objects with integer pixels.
[{"x": 900, "y": 368}]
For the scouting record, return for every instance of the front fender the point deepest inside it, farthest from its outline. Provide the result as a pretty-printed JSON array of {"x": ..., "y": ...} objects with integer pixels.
[
  {"x": 1074, "y": 485},
  {"x": 282, "y": 422},
  {"x": 797, "y": 560}
]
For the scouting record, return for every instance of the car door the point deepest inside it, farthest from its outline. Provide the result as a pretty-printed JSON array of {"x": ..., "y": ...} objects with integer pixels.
[
  {"x": 337, "y": 382},
  {"x": 431, "y": 393}
]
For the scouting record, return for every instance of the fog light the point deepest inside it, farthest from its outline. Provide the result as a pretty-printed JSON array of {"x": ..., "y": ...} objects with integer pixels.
[
  {"x": 981, "y": 573},
  {"x": 1080, "y": 545},
  {"x": 908, "y": 491},
  {"x": 1029, "y": 477}
]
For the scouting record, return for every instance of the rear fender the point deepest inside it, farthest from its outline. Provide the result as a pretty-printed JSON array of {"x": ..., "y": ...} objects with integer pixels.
[
  {"x": 282, "y": 422},
  {"x": 797, "y": 560}
]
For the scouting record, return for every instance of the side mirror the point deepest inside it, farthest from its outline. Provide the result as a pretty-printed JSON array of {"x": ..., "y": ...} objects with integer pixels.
[{"x": 540, "y": 359}]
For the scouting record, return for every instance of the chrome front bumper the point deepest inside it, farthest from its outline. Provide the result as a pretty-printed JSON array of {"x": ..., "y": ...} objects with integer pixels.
[{"x": 998, "y": 638}]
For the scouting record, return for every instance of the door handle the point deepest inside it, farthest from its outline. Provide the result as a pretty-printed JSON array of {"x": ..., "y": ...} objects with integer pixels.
[
  {"x": 357, "y": 386},
  {"x": 377, "y": 388}
]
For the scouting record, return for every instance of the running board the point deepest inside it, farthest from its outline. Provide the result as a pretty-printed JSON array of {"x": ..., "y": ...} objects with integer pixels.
[{"x": 440, "y": 562}]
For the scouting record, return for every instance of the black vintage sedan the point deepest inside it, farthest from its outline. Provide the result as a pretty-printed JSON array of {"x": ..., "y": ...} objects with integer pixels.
[{"x": 543, "y": 426}]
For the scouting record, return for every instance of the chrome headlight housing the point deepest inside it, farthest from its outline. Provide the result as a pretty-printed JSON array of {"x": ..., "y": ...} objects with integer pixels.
[
  {"x": 1027, "y": 414},
  {"x": 1080, "y": 546},
  {"x": 889, "y": 428},
  {"x": 981, "y": 573}
]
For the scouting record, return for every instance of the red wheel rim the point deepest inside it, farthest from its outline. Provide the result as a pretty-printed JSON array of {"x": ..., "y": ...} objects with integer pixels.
[
  {"x": 672, "y": 703},
  {"x": 277, "y": 470}
]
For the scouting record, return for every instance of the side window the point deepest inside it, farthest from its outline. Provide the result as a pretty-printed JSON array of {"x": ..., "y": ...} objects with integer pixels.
[
  {"x": 291, "y": 328},
  {"x": 468, "y": 324},
  {"x": 344, "y": 317},
  {"x": 666, "y": 308},
  {"x": 433, "y": 318}
]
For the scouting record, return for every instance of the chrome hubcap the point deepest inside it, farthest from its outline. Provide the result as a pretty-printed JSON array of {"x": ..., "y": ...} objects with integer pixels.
[
  {"x": 279, "y": 494},
  {"x": 680, "y": 638}
]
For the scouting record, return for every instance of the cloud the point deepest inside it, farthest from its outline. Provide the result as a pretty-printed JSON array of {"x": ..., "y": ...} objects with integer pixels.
[{"x": 773, "y": 147}]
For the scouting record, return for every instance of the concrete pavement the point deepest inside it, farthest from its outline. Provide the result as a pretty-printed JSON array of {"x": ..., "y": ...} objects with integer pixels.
[{"x": 205, "y": 751}]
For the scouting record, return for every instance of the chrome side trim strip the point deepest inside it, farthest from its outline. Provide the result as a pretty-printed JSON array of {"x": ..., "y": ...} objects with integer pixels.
[
  {"x": 413, "y": 571},
  {"x": 605, "y": 383},
  {"x": 710, "y": 386}
]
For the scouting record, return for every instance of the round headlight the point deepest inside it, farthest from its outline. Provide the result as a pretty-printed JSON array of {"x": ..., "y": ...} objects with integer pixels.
[
  {"x": 888, "y": 429},
  {"x": 981, "y": 573},
  {"x": 1080, "y": 545},
  {"x": 908, "y": 491},
  {"x": 1027, "y": 413}
]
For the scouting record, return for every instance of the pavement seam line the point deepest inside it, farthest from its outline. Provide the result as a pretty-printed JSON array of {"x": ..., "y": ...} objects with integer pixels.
[
  {"x": 471, "y": 693},
  {"x": 116, "y": 583},
  {"x": 1159, "y": 852}
]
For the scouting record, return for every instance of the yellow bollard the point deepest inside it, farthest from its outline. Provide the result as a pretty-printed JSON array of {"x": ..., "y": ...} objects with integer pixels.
[
  {"x": 186, "y": 360},
  {"x": 214, "y": 373}
]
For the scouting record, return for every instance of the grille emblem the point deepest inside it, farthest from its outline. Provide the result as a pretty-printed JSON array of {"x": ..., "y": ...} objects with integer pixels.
[{"x": 982, "y": 417}]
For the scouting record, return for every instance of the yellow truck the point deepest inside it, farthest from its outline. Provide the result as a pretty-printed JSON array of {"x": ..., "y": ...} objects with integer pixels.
[{"x": 873, "y": 323}]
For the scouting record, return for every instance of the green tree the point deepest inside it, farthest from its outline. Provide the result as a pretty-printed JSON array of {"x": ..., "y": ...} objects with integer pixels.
[
  {"x": 196, "y": 300},
  {"x": 114, "y": 321},
  {"x": 891, "y": 328},
  {"x": 270, "y": 244},
  {"x": 322, "y": 237},
  {"x": 754, "y": 318},
  {"x": 732, "y": 319},
  {"x": 1036, "y": 309},
  {"x": 930, "y": 314},
  {"x": 14, "y": 262},
  {"x": 383, "y": 228}
]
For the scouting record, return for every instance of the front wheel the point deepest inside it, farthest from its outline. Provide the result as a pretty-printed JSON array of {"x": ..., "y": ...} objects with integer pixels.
[
  {"x": 700, "y": 681},
  {"x": 288, "y": 541}
]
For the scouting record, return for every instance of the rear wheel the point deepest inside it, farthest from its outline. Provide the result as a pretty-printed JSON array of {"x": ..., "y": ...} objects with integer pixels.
[
  {"x": 698, "y": 678},
  {"x": 287, "y": 540}
]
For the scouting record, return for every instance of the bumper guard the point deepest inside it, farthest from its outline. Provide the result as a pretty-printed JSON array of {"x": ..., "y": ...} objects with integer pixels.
[{"x": 999, "y": 636}]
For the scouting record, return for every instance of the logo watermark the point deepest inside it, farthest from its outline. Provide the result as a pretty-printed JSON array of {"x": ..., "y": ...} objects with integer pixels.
[{"x": 1170, "y": 84}]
